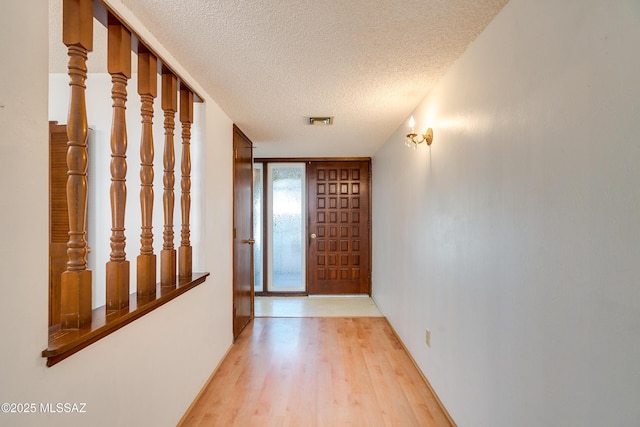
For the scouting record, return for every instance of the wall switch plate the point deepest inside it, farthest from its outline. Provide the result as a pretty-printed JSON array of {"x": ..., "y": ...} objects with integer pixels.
[{"x": 428, "y": 337}]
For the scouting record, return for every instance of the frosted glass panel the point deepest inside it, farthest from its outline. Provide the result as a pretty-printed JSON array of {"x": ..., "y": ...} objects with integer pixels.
[
  {"x": 257, "y": 227},
  {"x": 287, "y": 227}
]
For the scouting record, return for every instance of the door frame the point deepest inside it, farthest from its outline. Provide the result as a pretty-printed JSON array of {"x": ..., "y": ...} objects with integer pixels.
[{"x": 265, "y": 252}]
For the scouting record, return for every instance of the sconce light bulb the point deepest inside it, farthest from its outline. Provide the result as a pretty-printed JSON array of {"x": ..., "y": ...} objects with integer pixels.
[{"x": 412, "y": 123}]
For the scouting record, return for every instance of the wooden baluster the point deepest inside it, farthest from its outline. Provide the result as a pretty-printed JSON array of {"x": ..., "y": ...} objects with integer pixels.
[
  {"x": 169, "y": 106},
  {"x": 147, "y": 88},
  {"x": 119, "y": 66},
  {"x": 186, "y": 117},
  {"x": 77, "y": 35}
]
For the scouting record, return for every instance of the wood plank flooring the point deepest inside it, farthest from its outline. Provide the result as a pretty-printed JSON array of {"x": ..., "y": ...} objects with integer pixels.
[{"x": 320, "y": 372}]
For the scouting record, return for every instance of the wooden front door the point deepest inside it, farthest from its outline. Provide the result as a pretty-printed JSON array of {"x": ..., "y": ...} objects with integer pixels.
[
  {"x": 339, "y": 260},
  {"x": 242, "y": 231}
]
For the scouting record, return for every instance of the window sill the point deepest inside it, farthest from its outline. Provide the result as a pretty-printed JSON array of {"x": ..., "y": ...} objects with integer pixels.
[{"x": 64, "y": 343}]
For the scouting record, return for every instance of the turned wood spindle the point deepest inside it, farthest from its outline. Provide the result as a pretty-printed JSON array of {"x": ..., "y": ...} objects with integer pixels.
[
  {"x": 170, "y": 107},
  {"x": 77, "y": 35},
  {"x": 147, "y": 88},
  {"x": 119, "y": 66},
  {"x": 186, "y": 117}
]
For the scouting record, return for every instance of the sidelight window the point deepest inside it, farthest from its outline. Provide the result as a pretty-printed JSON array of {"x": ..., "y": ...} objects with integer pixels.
[{"x": 286, "y": 227}]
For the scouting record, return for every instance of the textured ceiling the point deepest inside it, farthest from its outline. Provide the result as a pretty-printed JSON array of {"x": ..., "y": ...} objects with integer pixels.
[{"x": 269, "y": 64}]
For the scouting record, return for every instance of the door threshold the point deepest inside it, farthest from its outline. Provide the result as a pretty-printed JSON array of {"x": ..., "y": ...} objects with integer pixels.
[{"x": 339, "y": 296}]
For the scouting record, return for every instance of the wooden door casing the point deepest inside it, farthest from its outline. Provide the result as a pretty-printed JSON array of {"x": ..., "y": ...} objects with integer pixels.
[
  {"x": 242, "y": 231},
  {"x": 339, "y": 227}
]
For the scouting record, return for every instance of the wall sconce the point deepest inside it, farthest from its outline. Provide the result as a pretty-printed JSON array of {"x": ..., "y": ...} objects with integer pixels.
[{"x": 413, "y": 139}]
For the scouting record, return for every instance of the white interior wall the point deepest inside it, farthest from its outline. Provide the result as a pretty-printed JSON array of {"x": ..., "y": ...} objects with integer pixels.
[
  {"x": 148, "y": 372},
  {"x": 515, "y": 240}
]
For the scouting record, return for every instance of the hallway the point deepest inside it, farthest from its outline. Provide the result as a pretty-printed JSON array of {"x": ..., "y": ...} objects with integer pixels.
[{"x": 330, "y": 371}]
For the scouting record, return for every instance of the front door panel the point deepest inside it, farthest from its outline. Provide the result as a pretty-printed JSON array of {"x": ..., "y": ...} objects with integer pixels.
[{"x": 339, "y": 227}]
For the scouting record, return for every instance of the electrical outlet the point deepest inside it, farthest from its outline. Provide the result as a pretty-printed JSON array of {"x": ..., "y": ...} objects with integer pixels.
[{"x": 428, "y": 338}]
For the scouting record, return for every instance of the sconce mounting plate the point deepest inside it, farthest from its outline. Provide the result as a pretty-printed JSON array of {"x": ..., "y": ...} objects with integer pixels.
[{"x": 428, "y": 136}]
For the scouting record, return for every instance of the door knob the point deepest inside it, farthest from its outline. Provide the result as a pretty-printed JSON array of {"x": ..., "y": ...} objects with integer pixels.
[
  {"x": 313, "y": 235},
  {"x": 249, "y": 241}
]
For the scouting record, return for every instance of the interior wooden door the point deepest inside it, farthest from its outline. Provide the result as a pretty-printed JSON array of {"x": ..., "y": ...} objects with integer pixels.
[
  {"x": 58, "y": 215},
  {"x": 339, "y": 232},
  {"x": 242, "y": 231}
]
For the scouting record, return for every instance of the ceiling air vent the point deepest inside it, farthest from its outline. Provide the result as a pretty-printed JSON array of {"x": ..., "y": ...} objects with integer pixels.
[{"x": 321, "y": 121}]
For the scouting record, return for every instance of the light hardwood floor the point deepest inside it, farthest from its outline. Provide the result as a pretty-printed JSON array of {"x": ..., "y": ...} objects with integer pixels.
[{"x": 320, "y": 372}]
